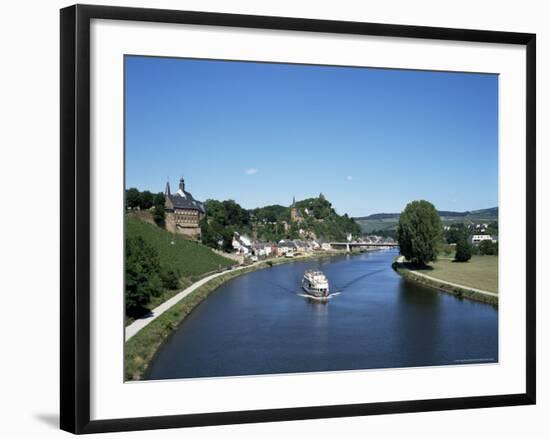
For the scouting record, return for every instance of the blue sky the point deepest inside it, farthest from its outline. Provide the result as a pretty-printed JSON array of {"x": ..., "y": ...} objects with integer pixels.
[{"x": 370, "y": 139}]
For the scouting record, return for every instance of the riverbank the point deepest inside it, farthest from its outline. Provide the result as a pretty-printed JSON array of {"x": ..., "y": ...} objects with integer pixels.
[
  {"x": 141, "y": 346},
  {"x": 406, "y": 271}
]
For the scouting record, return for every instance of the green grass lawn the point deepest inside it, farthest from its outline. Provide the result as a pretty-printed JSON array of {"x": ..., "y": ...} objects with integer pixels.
[
  {"x": 480, "y": 272},
  {"x": 187, "y": 257}
]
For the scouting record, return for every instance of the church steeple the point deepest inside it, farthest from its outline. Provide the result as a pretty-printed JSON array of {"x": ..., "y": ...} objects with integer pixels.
[
  {"x": 294, "y": 214},
  {"x": 182, "y": 184},
  {"x": 167, "y": 188}
]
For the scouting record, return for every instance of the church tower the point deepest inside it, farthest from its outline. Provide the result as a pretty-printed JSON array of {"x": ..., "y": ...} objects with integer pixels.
[{"x": 294, "y": 214}]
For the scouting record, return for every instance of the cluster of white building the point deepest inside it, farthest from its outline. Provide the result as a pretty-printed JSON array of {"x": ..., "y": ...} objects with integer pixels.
[
  {"x": 247, "y": 247},
  {"x": 477, "y": 239},
  {"x": 478, "y": 233},
  {"x": 255, "y": 249}
]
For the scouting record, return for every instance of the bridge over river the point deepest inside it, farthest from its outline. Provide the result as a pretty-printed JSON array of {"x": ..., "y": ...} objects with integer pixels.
[{"x": 363, "y": 245}]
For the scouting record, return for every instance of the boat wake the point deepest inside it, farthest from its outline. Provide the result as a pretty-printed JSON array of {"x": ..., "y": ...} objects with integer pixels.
[
  {"x": 357, "y": 279},
  {"x": 341, "y": 289},
  {"x": 320, "y": 299}
]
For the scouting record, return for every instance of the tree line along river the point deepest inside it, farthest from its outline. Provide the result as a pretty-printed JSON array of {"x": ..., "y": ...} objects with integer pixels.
[{"x": 261, "y": 323}]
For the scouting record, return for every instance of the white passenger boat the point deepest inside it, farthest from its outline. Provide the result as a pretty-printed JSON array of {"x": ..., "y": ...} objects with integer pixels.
[{"x": 315, "y": 283}]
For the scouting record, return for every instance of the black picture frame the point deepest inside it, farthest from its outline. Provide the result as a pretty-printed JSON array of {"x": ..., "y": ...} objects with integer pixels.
[{"x": 75, "y": 217}]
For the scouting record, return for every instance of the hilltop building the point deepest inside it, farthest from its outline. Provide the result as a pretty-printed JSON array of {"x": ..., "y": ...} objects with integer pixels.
[
  {"x": 183, "y": 212},
  {"x": 295, "y": 215}
]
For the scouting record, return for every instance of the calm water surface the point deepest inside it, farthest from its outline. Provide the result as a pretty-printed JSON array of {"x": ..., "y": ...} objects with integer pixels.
[{"x": 259, "y": 323}]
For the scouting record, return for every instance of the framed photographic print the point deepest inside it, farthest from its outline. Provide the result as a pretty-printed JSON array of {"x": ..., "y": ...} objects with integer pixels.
[{"x": 304, "y": 218}]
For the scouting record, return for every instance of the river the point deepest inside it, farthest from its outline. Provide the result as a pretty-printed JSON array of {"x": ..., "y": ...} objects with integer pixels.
[{"x": 260, "y": 323}]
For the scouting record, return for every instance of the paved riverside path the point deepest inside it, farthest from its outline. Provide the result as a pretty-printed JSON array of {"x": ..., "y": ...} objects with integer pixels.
[
  {"x": 401, "y": 259},
  {"x": 141, "y": 323}
]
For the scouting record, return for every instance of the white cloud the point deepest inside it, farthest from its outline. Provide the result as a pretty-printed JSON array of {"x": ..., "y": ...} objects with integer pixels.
[
  {"x": 251, "y": 171},
  {"x": 349, "y": 178}
]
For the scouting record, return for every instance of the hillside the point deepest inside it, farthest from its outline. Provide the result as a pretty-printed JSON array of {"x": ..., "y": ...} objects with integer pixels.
[
  {"x": 187, "y": 258},
  {"x": 271, "y": 213},
  {"x": 316, "y": 219},
  {"x": 321, "y": 220},
  {"x": 388, "y": 221}
]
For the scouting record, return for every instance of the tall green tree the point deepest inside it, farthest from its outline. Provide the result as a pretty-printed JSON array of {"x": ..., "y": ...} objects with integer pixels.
[
  {"x": 455, "y": 233},
  {"x": 158, "y": 199},
  {"x": 463, "y": 251},
  {"x": 488, "y": 247},
  {"x": 142, "y": 275},
  {"x": 159, "y": 214},
  {"x": 146, "y": 200},
  {"x": 132, "y": 198},
  {"x": 211, "y": 233},
  {"x": 272, "y": 213},
  {"x": 419, "y": 232}
]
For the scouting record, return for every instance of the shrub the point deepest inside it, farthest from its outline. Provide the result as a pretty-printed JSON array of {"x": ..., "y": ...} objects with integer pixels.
[
  {"x": 488, "y": 248},
  {"x": 170, "y": 279},
  {"x": 463, "y": 251},
  {"x": 159, "y": 214}
]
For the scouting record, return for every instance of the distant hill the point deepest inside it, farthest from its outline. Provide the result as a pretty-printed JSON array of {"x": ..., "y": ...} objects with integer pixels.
[
  {"x": 490, "y": 211},
  {"x": 388, "y": 221}
]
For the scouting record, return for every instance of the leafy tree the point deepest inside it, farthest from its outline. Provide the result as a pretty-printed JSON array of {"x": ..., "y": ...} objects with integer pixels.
[
  {"x": 271, "y": 232},
  {"x": 146, "y": 200},
  {"x": 419, "y": 232},
  {"x": 487, "y": 247},
  {"x": 215, "y": 211},
  {"x": 463, "y": 251},
  {"x": 271, "y": 213},
  {"x": 142, "y": 278},
  {"x": 159, "y": 214},
  {"x": 293, "y": 231},
  {"x": 170, "y": 279},
  {"x": 132, "y": 198},
  {"x": 222, "y": 219},
  {"x": 210, "y": 233},
  {"x": 227, "y": 237},
  {"x": 158, "y": 199},
  {"x": 227, "y": 213},
  {"x": 235, "y": 215},
  {"x": 455, "y": 233}
]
